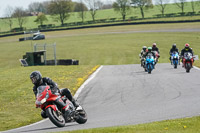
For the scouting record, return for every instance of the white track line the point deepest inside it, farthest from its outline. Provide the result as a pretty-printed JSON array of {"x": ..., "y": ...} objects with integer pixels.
[
  {"x": 75, "y": 96},
  {"x": 12, "y": 130},
  {"x": 196, "y": 68},
  {"x": 86, "y": 82}
]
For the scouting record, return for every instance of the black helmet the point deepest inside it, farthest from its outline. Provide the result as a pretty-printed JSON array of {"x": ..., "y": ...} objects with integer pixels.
[
  {"x": 144, "y": 48},
  {"x": 36, "y": 77},
  {"x": 174, "y": 46}
]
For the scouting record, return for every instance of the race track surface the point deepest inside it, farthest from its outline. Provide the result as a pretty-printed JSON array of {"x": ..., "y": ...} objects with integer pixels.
[{"x": 126, "y": 95}]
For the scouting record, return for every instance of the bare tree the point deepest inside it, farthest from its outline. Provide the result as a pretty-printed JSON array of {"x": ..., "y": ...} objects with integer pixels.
[
  {"x": 162, "y": 4},
  {"x": 107, "y": 6},
  {"x": 60, "y": 9},
  {"x": 21, "y": 16},
  {"x": 181, "y": 4},
  {"x": 93, "y": 7},
  {"x": 122, "y": 6},
  {"x": 36, "y": 7},
  {"x": 142, "y": 4},
  {"x": 192, "y": 5},
  {"x": 100, "y": 5},
  {"x": 46, "y": 4},
  {"x": 8, "y": 16},
  {"x": 81, "y": 9}
]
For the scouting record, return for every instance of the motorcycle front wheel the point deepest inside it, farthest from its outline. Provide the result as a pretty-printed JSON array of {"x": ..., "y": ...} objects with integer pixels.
[
  {"x": 188, "y": 67},
  {"x": 56, "y": 117}
]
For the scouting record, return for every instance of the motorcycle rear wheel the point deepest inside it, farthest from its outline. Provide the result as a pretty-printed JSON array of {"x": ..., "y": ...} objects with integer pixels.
[
  {"x": 82, "y": 116},
  {"x": 56, "y": 118}
]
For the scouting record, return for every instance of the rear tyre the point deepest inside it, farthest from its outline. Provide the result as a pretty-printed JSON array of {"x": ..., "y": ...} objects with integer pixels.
[
  {"x": 55, "y": 117},
  {"x": 82, "y": 116}
]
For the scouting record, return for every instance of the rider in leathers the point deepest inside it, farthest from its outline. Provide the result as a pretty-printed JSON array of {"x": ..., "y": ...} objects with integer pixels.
[
  {"x": 142, "y": 53},
  {"x": 156, "y": 49},
  {"x": 150, "y": 53},
  {"x": 173, "y": 49},
  {"x": 186, "y": 49},
  {"x": 37, "y": 80}
]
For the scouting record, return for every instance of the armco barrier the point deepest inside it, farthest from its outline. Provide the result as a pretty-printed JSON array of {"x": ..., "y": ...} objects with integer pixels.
[{"x": 106, "y": 25}]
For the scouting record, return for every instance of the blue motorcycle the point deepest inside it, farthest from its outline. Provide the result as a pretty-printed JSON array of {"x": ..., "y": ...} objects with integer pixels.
[
  {"x": 150, "y": 62},
  {"x": 175, "y": 59}
]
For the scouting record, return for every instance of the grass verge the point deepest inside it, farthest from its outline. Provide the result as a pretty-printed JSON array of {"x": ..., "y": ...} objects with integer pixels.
[
  {"x": 16, "y": 95},
  {"x": 185, "y": 125},
  {"x": 106, "y": 46}
]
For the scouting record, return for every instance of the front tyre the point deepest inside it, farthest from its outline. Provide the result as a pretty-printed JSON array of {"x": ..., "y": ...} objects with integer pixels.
[
  {"x": 175, "y": 63},
  {"x": 56, "y": 117},
  {"x": 149, "y": 68},
  {"x": 188, "y": 67}
]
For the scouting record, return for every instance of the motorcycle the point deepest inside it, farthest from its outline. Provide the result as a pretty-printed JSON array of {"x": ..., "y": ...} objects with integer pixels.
[
  {"x": 157, "y": 56},
  {"x": 188, "y": 60},
  {"x": 150, "y": 62},
  {"x": 143, "y": 63},
  {"x": 57, "y": 115},
  {"x": 175, "y": 59}
]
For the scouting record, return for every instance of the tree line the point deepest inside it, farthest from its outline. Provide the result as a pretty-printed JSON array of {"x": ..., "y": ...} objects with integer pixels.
[{"x": 60, "y": 10}]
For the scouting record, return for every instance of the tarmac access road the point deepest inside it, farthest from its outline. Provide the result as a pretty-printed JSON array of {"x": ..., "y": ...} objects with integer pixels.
[{"x": 126, "y": 95}]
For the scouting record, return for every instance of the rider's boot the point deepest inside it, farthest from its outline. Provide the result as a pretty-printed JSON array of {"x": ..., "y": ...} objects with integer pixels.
[
  {"x": 76, "y": 104},
  {"x": 68, "y": 94}
]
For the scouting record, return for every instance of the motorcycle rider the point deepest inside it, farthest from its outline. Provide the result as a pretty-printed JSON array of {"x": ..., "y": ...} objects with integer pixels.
[
  {"x": 156, "y": 49},
  {"x": 173, "y": 49},
  {"x": 142, "y": 53},
  {"x": 184, "y": 50},
  {"x": 150, "y": 53},
  {"x": 37, "y": 80}
]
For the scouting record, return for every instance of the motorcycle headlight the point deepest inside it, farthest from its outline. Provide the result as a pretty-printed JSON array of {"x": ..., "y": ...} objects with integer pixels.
[{"x": 43, "y": 100}]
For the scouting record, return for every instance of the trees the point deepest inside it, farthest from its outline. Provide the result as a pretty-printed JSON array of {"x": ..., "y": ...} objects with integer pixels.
[
  {"x": 193, "y": 5},
  {"x": 60, "y": 10},
  {"x": 162, "y": 4},
  {"x": 21, "y": 16},
  {"x": 41, "y": 18},
  {"x": 93, "y": 7},
  {"x": 122, "y": 6},
  {"x": 8, "y": 16},
  {"x": 181, "y": 4},
  {"x": 80, "y": 8},
  {"x": 142, "y": 4},
  {"x": 36, "y": 7}
]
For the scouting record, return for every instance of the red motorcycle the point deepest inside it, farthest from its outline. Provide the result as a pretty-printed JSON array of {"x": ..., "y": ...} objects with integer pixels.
[
  {"x": 57, "y": 115},
  {"x": 157, "y": 56},
  {"x": 188, "y": 60}
]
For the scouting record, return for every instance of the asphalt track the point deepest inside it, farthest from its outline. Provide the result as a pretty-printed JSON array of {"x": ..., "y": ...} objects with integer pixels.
[{"x": 126, "y": 95}]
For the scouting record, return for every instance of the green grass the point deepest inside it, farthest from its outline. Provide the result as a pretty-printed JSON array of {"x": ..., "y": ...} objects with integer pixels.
[
  {"x": 91, "y": 47},
  {"x": 110, "y": 13},
  {"x": 186, "y": 125},
  {"x": 16, "y": 95}
]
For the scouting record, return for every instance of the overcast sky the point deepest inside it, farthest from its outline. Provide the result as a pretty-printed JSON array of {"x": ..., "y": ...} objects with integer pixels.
[
  {"x": 24, "y": 3},
  {"x": 15, "y": 3},
  {"x": 21, "y": 3}
]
